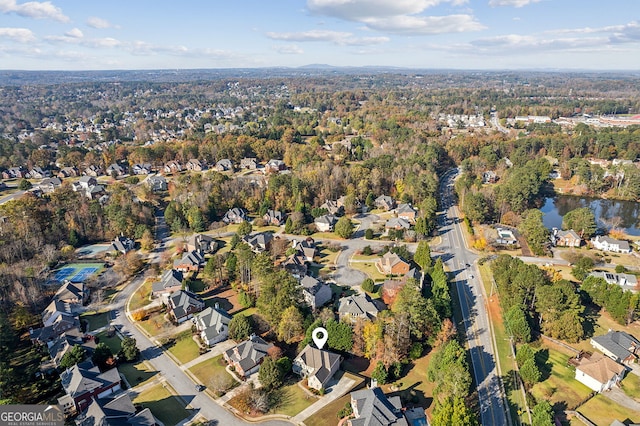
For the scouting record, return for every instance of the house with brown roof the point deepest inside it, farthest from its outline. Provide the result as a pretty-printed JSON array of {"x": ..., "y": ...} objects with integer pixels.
[
  {"x": 385, "y": 202},
  {"x": 247, "y": 356},
  {"x": 274, "y": 217},
  {"x": 189, "y": 262},
  {"x": 248, "y": 163},
  {"x": 202, "y": 243},
  {"x": 224, "y": 165},
  {"x": 392, "y": 264},
  {"x": 569, "y": 238},
  {"x": 406, "y": 211},
  {"x": 599, "y": 372},
  {"x": 195, "y": 165},
  {"x": 317, "y": 365},
  {"x": 172, "y": 167},
  {"x": 274, "y": 166}
]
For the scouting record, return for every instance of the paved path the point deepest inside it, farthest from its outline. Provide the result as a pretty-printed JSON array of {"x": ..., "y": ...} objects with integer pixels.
[
  {"x": 218, "y": 349},
  {"x": 618, "y": 396},
  {"x": 334, "y": 392}
]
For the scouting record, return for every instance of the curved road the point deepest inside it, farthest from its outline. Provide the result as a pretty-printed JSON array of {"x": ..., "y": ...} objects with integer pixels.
[
  {"x": 182, "y": 384},
  {"x": 479, "y": 337}
]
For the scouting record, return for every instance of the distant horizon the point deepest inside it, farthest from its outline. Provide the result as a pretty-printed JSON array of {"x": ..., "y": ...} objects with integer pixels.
[{"x": 75, "y": 35}]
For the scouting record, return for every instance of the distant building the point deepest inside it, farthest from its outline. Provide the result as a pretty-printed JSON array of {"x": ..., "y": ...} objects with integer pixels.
[
  {"x": 224, "y": 165},
  {"x": 235, "y": 215},
  {"x": 123, "y": 244},
  {"x": 385, "y": 202},
  {"x": 274, "y": 217},
  {"x": 248, "y": 163},
  {"x": 195, "y": 165},
  {"x": 274, "y": 166},
  {"x": 157, "y": 183},
  {"x": 141, "y": 169}
]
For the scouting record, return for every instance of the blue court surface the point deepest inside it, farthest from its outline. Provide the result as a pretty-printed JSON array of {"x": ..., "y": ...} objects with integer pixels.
[
  {"x": 64, "y": 273},
  {"x": 83, "y": 274}
]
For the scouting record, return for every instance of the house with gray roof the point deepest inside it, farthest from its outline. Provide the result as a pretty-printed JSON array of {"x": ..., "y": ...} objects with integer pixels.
[
  {"x": 157, "y": 183},
  {"x": 115, "y": 168},
  {"x": 183, "y": 304},
  {"x": 248, "y": 163},
  {"x": 611, "y": 244},
  {"x": 568, "y": 238},
  {"x": 118, "y": 411},
  {"x": 315, "y": 292},
  {"x": 170, "y": 281},
  {"x": 196, "y": 165},
  {"x": 385, "y": 202},
  {"x": 274, "y": 217},
  {"x": 397, "y": 223},
  {"x": 213, "y": 325},
  {"x": 141, "y": 169},
  {"x": 618, "y": 345},
  {"x": 333, "y": 207},
  {"x": 248, "y": 355},
  {"x": 72, "y": 293},
  {"x": 202, "y": 243},
  {"x": 407, "y": 212},
  {"x": 317, "y": 365},
  {"x": 296, "y": 265},
  {"x": 190, "y": 261},
  {"x": 84, "y": 382},
  {"x": 224, "y": 165},
  {"x": 326, "y": 222},
  {"x": 357, "y": 306},
  {"x": 259, "y": 242},
  {"x": 122, "y": 244},
  {"x": 235, "y": 215},
  {"x": 626, "y": 281},
  {"x": 371, "y": 407},
  {"x": 49, "y": 185}
]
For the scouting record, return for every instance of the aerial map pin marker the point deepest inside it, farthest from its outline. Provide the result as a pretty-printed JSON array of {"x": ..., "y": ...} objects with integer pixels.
[{"x": 320, "y": 336}]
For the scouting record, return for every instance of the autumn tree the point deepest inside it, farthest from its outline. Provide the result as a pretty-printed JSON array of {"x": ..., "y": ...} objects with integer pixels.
[
  {"x": 453, "y": 411},
  {"x": 344, "y": 227},
  {"x": 290, "y": 326}
]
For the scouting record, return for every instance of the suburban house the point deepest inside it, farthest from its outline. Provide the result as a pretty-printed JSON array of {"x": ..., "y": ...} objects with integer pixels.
[
  {"x": 224, "y": 165},
  {"x": 190, "y": 261},
  {"x": 15, "y": 173},
  {"x": 385, "y": 202},
  {"x": 93, "y": 171},
  {"x": 157, "y": 183},
  {"x": 568, "y": 238},
  {"x": 248, "y": 163},
  {"x": 172, "y": 167},
  {"x": 599, "y": 372},
  {"x": 183, "y": 304},
  {"x": 274, "y": 166},
  {"x": 506, "y": 237},
  {"x": 39, "y": 173},
  {"x": 116, "y": 169},
  {"x": 195, "y": 165},
  {"x": 610, "y": 244},
  {"x": 117, "y": 411},
  {"x": 626, "y": 281},
  {"x": 247, "y": 356},
  {"x": 72, "y": 293},
  {"x": 392, "y": 264},
  {"x": 58, "y": 347},
  {"x": 259, "y": 242},
  {"x": 48, "y": 185},
  {"x": 618, "y": 345},
  {"x": 307, "y": 248},
  {"x": 295, "y": 265},
  {"x": 84, "y": 382},
  {"x": 57, "y": 319},
  {"x": 397, "y": 223},
  {"x": 123, "y": 244},
  {"x": 202, "y": 243},
  {"x": 356, "y": 204},
  {"x": 213, "y": 325},
  {"x": 89, "y": 185},
  {"x": 141, "y": 169},
  {"x": 235, "y": 215},
  {"x": 489, "y": 177},
  {"x": 67, "y": 172},
  {"x": 274, "y": 217},
  {"x": 170, "y": 281},
  {"x": 325, "y": 223},
  {"x": 317, "y": 365},
  {"x": 333, "y": 207},
  {"x": 315, "y": 292},
  {"x": 372, "y": 407},
  {"x": 406, "y": 211},
  {"x": 357, "y": 306}
]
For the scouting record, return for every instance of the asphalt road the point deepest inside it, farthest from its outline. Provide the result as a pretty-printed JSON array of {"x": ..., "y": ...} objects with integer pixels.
[
  {"x": 460, "y": 262},
  {"x": 182, "y": 384}
]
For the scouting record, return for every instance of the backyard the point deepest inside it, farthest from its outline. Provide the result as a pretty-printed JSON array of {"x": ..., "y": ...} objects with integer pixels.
[
  {"x": 602, "y": 411},
  {"x": 95, "y": 320}
]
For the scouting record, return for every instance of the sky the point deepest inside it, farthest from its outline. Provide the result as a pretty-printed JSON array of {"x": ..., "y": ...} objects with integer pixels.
[{"x": 431, "y": 34}]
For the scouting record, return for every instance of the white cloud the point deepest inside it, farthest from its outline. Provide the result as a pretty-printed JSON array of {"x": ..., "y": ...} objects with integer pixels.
[
  {"x": 397, "y": 16},
  {"x": 21, "y": 35},
  {"x": 336, "y": 37},
  {"x": 74, "y": 33},
  {"x": 95, "y": 22},
  {"x": 512, "y": 3},
  {"x": 289, "y": 49},
  {"x": 426, "y": 24},
  {"x": 143, "y": 48},
  {"x": 34, "y": 9}
]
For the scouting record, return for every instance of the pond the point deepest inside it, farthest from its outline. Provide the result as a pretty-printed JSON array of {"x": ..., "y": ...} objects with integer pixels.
[{"x": 609, "y": 213}]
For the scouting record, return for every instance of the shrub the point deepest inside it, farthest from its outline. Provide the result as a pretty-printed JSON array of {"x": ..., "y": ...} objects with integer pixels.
[
  {"x": 368, "y": 234},
  {"x": 132, "y": 180},
  {"x": 416, "y": 350},
  {"x": 368, "y": 285},
  {"x": 246, "y": 300},
  {"x": 367, "y": 251}
]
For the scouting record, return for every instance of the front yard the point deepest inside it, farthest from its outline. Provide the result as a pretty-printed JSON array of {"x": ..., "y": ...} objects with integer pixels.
[
  {"x": 166, "y": 407},
  {"x": 141, "y": 297},
  {"x": 183, "y": 347},
  {"x": 95, "y": 320},
  {"x": 602, "y": 411},
  {"x": 211, "y": 371}
]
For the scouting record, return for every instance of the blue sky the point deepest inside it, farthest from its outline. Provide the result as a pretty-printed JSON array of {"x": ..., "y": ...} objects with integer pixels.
[{"x": 461, "y": 34}]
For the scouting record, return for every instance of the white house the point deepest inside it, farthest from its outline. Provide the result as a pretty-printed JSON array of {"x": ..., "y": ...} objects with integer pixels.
[
  {"x": 611, "y": 244},
  {"x": 317, "y": 365},
  {"x": 326, "y": 223},
  {"x": 599, "y": 372},
  {"x": 213, "y": 325}
]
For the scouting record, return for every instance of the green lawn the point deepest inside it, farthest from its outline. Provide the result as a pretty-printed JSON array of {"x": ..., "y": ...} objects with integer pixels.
[
  {"x": 561, "y": 386},
  {"x": 141, "y": 297},
  {"x": 184, "y": 348},
  {"x": 294, "y": 400},
  {"x": 96, "y": 320},
  {"x": 414, "y": 387},
  {"x": 631, "y": 386},
  {"x": 369, "y": 268},
  {"x": 113, "y": 342},
  {"x": 602, "y": 411},
  {"x": 156, "y": 324},
  {"x": 166, "y": 407},
  {"x": 328, "y": 415},
  {"x": 207, "y": 370},
  {"x": 137, "y": 373}
]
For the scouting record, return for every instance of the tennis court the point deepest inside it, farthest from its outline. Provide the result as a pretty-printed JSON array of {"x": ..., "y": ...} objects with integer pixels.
[{"x": 77, "y": 272}]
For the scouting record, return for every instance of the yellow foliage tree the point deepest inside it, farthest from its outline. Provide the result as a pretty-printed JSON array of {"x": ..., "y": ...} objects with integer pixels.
[{"x": 139, "y": 315}]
